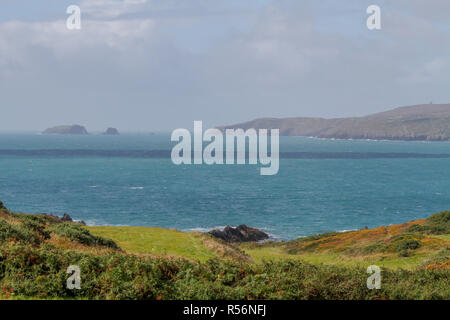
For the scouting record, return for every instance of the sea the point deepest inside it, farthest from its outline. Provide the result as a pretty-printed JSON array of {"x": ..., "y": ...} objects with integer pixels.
[{"x": 129, "y": 180}]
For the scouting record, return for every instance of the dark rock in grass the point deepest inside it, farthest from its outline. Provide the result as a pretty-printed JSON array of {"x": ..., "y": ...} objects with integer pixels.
[
  {"x": 66, "y": 217},
  {"x": 241, "y": 233},
  {"x": 2, "y": 206}
]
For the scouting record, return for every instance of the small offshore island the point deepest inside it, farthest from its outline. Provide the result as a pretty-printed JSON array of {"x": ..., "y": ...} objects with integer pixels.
[
  {"x": 155, "y": 263},
  {"x": 73, "y": 129},
  {"x": 77, "y": 129},
  {"x": 111, "y": 132}
]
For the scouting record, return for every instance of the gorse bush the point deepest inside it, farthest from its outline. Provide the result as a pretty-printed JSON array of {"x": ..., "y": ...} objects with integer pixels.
[
  {"x": 441, "y": 218},
  {"x": 408, "y": 245},
  {"x": 77, "y": 233},
  {"x": 34, "y": 229},
  {"x": 438, "y": 223},
  {"x": 17, "y": 233},
  {"x": 35, "y": 224}
]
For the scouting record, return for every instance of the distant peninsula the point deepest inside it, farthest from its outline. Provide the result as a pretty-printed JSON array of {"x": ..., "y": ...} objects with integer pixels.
[
  {"x": 429, "y": 122},
  {"x": 111, "y": 132},
  {"x": 73, "y": 129}
]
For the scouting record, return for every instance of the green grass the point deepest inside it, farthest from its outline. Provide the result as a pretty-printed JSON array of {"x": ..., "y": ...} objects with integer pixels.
[
  {"x": 156, "y": 241},
  {"x": 391, "y": 261},
  {"x": 443, "y": 236},
  {"x": 276, "y": 254}
]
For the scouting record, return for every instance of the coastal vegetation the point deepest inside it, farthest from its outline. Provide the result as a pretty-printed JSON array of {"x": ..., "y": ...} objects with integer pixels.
[{"x": 156, "y": 263}]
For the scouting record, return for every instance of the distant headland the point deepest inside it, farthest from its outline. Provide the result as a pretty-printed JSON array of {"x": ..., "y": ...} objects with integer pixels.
[{"x": 428, "y": 122}]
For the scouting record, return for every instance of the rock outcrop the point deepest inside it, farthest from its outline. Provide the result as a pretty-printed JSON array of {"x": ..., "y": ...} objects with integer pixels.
[
  {"x": 111, "y": 132},
  {"x": 74, "y": 129},
  {"x": 241, "y": 233},
  {"x": 66, "y": 217}
]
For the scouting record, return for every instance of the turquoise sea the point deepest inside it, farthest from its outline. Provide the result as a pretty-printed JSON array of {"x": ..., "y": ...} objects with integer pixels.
[{"x": 322, "y": 185}]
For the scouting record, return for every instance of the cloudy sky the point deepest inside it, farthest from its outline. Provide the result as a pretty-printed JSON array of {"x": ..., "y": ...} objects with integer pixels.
[{"x": 156, "y": 65}]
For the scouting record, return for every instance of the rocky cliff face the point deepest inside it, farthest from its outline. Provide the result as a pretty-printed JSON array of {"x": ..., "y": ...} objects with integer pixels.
[
  {"x": 74, "y": 129},
  {"x": 422, "y": 122}
]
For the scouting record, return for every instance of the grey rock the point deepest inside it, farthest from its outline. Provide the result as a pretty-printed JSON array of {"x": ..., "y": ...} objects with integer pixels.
[
  {"x": 241, "y": 233},
  {"x": 66, "y": 217}
]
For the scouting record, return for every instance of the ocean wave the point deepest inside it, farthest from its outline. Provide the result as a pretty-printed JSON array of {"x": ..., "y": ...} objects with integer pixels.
[
  {"x": 203, "y": 229},
  {"x": 96, "y": 223},
  {"x": 345, "y": 230}
]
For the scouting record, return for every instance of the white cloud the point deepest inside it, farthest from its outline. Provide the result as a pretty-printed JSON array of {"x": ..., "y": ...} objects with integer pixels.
[
  {"x": 428, "y": 72},
  {"x": 20, "y": 39},
  {"x": 111, "y": 8}
]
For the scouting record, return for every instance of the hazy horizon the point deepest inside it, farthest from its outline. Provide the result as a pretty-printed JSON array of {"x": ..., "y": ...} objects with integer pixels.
[
  {"x": 154, "y": 65},
  {"x": 166, "y": 131}
]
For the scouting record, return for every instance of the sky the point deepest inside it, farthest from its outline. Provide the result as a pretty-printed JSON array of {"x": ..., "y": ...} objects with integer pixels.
[{"x": 157, "y": 65}]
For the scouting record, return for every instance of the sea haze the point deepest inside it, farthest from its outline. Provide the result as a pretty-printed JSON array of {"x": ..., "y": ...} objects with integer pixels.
[{"x": 322, "y": 185}]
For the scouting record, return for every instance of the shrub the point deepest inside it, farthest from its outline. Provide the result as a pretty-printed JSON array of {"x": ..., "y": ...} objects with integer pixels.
[
  {"x": 442, "y": 218},
  {"x": 438, "y": 223},
  {"x": 18, "y": 233},
  {"x": 408, "y": 245},
  {"x": 77, "y": 233},
  {"x": 379, "y": 246},
  {"x": 35, "y": 224}
]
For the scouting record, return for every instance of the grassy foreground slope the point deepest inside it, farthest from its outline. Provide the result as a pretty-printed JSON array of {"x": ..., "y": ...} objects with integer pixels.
[
  {"x": 424, "y": 242},
  {"x": 152, "y": 263},
  {"x": 407, "y": 246},
  {"x": 169, "y": 243}
]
